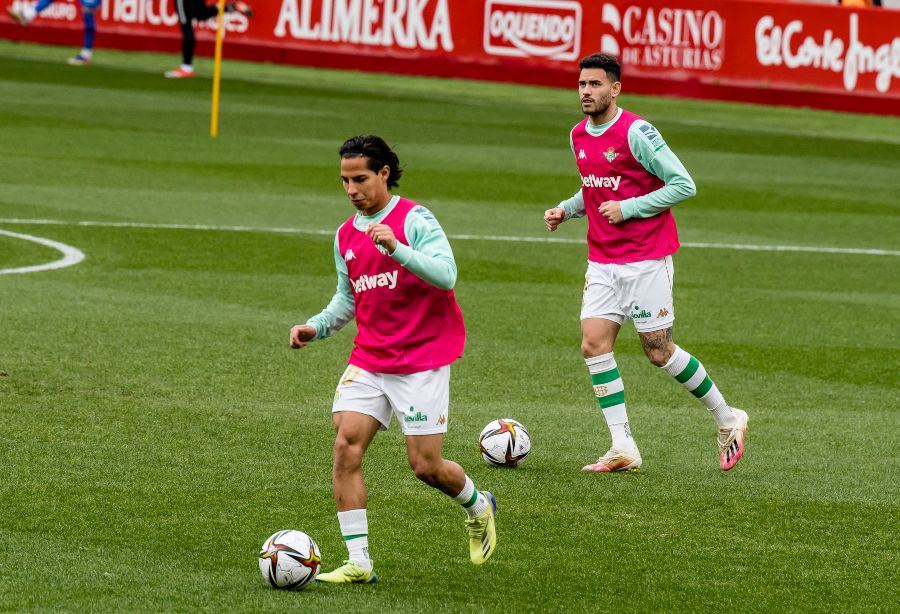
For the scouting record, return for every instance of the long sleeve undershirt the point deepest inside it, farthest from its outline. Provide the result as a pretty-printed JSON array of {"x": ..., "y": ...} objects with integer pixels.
[
  {"x": 654, "y": 155},
  {"x": 428, "y": 256}
]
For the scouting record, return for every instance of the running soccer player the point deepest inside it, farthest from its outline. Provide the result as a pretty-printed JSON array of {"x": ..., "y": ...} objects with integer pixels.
[
  {"x": 29, "y": 13},
  {"x": 396, "y": 274},
  {"x": 188, "y": 11},
  {"x": 630, "y": 179}
]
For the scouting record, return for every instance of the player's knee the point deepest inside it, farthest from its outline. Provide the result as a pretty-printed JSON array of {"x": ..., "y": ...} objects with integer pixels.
[
  {"x": 658, "y": 356},
  {"x": 594, "y": 347},
  {"x": 425, "y": 470},
  {"x": 347, "y": 455}
]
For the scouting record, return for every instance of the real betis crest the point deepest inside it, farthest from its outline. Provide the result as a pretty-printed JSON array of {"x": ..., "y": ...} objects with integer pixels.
[{"x": 610, "y": 154}]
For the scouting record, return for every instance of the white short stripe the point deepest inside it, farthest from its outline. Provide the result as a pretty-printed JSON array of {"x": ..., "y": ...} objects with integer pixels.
[
  {"x": 617, "y": 385},
  {"x": 696, "y": 379}
]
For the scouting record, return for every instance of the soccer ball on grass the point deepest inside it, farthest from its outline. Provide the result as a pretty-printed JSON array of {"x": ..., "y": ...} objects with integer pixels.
[
  {"x": 504, "y": 443},
  {"x": 290, "y": 560}
]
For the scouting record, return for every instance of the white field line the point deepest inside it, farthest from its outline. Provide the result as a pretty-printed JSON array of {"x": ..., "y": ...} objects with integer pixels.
[
  {"x": 459, "y": 237},
  {"x": 71, "y": 255}
]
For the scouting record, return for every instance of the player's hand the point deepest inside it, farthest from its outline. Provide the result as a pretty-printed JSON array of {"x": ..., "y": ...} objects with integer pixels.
[
  {"x": 612, "y": 211},
  {"x": 554, "y": 217},
  {"x": 382, "y": 235},
  {"x": 301, "y": 335}
]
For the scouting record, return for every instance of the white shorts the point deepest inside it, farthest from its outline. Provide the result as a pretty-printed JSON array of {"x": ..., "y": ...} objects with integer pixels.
[
  {"x": 420, "y": 400},
  {"x": 640, "y": 291}
]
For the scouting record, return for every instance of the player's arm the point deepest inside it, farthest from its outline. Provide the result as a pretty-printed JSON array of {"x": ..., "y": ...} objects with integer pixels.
[
  {"x": 649, "y": 148},
  {"x": 428, "y": 255},
  {"x": 335, "y": 316},
  {"x": 564, "y": 211}
]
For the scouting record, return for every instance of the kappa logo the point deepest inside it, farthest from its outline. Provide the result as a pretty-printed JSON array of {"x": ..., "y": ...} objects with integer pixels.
[
  {"x": 610, "y": 154},
  {"x": 582, "y": 155},
  {"x": 381, "y": 280},
  {"x": 349, "y": 255},
  {"x": 593, "y": 181},
  {"x": 663, "y": 313},
  {"x": 441, "y": 420}
]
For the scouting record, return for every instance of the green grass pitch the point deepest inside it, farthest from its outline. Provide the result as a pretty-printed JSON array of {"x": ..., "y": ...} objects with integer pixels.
[{"x": 155, "y": 428}]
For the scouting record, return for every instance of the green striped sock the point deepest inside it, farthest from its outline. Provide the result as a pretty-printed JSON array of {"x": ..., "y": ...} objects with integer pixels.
[
  {"x": 691, "y": 373},
  {"x": 470, "y": 499},
  {"x": 610, "y": 392},
  {"x": 355, "y": 530}
]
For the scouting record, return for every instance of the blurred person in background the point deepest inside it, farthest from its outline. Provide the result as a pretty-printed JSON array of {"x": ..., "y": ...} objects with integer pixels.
[
  {"x": 188, "y": 11},
  {"x": 28, "y": 13}
]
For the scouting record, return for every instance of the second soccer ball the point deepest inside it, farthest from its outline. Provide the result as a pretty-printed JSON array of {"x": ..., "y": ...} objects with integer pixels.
[
  {"x": 504, "y": 443},
  {"x": 289, "y": 560}
]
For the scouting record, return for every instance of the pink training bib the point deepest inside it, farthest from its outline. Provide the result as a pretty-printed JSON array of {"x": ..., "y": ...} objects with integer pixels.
[
  {"x": 609, "y": 171},
  {"x": 405, "y": 324}
]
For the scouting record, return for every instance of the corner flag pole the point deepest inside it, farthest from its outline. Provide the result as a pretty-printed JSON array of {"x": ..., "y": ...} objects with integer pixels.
[{"x": 217, "y": 72}]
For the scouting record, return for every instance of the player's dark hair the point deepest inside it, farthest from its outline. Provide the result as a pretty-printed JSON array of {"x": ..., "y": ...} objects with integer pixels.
[
  {"x": 604, "y": 61},
  {"x": 378, "y": 152}
]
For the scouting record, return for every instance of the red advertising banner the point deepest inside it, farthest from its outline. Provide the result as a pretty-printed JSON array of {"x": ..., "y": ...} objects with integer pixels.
[{"x": 757, "y": 51}]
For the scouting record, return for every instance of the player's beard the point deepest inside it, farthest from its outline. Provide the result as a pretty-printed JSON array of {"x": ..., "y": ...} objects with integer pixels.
[{"x": 601, "y": 108}]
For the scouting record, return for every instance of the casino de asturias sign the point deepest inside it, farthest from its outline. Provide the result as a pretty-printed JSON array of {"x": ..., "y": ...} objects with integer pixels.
[{"x": 764, "y": 51}]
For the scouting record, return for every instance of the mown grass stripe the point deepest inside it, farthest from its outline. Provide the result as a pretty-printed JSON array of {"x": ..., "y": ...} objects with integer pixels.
[{"x": 815, "y": 249}]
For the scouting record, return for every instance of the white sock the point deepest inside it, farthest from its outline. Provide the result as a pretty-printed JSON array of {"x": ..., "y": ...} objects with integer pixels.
[
  {"x": 28, "y": 13},
  {"x": 610, "y": 392},
  {"x": 187, "y": 67},
  {"x": 472, "y": 501},
  {"x": 86, "y": 54},
  {"x": 724, "y": 415},
  {"x": 692, "y": 375},
  {"x": 355, "y": 529}
]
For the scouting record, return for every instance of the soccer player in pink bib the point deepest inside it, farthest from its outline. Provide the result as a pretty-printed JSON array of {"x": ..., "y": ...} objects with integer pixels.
[
  {"x": 396, "y": 274},
  {"x": 630, "y": 179}
]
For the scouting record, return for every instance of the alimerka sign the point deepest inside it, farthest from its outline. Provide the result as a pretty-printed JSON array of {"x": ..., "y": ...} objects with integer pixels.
[
  {"x": 404, "y": 24},
  {"x": 759, "y": 51}
]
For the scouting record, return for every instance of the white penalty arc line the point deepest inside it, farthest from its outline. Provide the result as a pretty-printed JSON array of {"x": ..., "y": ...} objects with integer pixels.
[
  {"x": 71, "y": 255},
  {"x": 459, "y": 237}
]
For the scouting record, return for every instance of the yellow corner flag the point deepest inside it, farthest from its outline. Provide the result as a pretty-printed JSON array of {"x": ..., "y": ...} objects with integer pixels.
[{"x": 217, "y": 71}]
